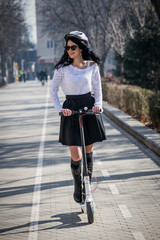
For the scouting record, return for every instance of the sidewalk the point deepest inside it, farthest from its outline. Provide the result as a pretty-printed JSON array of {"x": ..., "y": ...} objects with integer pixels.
[
  {"x": 36, "y": 184},
  {"x": 147, "y": 136}
]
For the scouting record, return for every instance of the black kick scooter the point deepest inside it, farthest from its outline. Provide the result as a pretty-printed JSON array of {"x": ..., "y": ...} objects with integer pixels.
[{"x": 87, "y": 204}]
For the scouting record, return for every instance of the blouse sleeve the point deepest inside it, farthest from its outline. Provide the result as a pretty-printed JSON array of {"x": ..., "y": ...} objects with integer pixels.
[
  {"x": 56, "y": 81},
  {"x": 97, "y": 88}
]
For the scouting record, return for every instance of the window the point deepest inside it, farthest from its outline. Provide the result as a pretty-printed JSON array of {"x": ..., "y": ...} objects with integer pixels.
[{"x": 49, "y": 44}]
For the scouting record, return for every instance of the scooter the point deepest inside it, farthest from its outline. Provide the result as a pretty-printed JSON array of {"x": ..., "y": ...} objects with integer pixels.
[{"x": 87, "y": 205}]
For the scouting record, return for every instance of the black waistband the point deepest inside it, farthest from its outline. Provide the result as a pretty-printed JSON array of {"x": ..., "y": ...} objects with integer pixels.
[{"x": 79, "y": 96}]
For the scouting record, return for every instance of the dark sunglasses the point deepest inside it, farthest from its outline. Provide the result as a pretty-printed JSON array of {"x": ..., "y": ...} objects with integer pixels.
[{"x": 73, "y": 47}]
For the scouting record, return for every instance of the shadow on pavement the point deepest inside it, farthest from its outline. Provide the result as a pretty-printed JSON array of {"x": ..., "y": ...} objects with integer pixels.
[
  {"x": 26, "y": 154},
  {"x": 66, "y": 220},
  {"x": 12, "y": 191},
  {"x": 128, "y": 175}
]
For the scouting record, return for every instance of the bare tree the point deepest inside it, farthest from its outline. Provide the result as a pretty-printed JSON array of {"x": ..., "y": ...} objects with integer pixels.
[
  {"x": 107, "y": 23},
  {"x": 124, "y": 18},
  {"x": 12, "y": 29},
  {"x": 89, "y": 16}
]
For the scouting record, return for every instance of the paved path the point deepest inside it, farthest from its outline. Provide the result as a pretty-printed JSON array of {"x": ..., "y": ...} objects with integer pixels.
[{"x": 36, "y": 185}]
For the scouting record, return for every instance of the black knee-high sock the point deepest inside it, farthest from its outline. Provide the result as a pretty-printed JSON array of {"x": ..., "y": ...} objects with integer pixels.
[
  {"x": 76, "y": 172},
  {"x": 75, "y": 164},
  {"x": 89, "y": 157}
]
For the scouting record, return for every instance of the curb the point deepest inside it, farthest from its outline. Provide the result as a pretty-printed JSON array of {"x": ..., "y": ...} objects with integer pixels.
[{"x": 147, "y": 136}]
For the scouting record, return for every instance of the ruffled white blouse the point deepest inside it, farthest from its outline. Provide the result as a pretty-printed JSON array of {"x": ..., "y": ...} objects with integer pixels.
[{"x": 75, "y": 81}]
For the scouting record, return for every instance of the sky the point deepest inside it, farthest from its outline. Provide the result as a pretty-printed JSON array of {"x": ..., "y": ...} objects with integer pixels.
[{"x": 30, "y": 16}]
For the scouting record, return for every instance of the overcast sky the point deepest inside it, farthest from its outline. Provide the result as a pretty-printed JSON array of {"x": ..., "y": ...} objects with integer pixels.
[{"x": 30, "y": 15}]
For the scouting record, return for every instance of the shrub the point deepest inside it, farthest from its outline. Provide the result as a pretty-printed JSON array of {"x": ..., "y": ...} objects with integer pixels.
[
  {"x": 154, "y": 109},
  {"x": 140, "y": 103}
]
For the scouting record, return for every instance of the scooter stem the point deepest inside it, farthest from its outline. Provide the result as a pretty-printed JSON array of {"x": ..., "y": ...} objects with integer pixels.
[
  {"x": 88, "y": 189},
  {"x": 85, "y": 171}
]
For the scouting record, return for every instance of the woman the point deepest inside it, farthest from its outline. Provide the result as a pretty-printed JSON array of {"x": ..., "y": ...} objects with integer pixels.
[{"x": 78, "y": 74}]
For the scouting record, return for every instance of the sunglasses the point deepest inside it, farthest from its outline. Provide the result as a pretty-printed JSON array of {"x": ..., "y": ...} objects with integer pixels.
[{"x": 73, "y": 48}]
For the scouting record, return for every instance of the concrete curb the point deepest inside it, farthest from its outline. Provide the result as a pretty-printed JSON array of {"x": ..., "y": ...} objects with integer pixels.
[{"x": 147, "y": 136}]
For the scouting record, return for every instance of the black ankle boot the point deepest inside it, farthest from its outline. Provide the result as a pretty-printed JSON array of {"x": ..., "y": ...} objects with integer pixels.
[
  {"x": 90, "y": 164},
  {"x": 76, "y": 172}
]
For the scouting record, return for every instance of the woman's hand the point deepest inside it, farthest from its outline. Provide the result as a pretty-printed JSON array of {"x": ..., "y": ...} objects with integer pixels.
[
  {"x": 96, "y": 109},
  {"x": 66, "y": 112}
]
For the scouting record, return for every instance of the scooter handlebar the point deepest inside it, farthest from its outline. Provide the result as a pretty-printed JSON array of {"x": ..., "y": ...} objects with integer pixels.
[{"x": 80, "y": 111}]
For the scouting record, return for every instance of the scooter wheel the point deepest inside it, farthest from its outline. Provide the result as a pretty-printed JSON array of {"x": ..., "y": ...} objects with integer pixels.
[{"x": 90, "y": 212}]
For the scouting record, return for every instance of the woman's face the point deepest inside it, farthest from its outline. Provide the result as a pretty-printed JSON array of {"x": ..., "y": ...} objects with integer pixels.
[{"x": 73, "y": 53}]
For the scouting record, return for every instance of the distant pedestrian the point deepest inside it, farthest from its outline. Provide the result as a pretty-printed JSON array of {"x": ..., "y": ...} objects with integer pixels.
[
  {"x": 25, "y": 76},
  {"x": 20, "y": 75},
  {"x": 42, "y": 75}
]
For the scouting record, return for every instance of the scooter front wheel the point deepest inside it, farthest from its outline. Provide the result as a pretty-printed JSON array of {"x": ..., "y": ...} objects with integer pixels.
[{"x": 90, "y": 212}]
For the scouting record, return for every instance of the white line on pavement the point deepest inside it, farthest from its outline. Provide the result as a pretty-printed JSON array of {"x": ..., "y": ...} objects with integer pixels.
[
  {"x": 125, "y": 211},
  {"x": 33, "y": 229},
  {"x": 95, "y": 153},
  {"x": 138, "y": 236},
  {"x": 113, "y": 188},
  {"x": 105, "y": 173},
  {"x": 99, "y": 162}
]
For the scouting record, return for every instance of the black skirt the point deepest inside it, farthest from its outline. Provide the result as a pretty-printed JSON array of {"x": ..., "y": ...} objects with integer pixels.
[{"x": 94, "y": 130}]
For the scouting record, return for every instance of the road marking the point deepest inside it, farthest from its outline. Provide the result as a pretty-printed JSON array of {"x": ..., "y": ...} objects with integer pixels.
[
  {"x": 33, "y": 229},
  {"x": 113, "y": 188},
  {"x": 95, "y": 153},
  {"x": 138, "y": 236},
  {"x": 99, "y": 162},
  {"x": 125, "y": 211},
  {"x": 105, "y": 173}
]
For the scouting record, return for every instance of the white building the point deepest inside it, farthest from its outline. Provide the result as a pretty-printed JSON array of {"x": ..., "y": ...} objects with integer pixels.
[{"x": 47, "y": 47}]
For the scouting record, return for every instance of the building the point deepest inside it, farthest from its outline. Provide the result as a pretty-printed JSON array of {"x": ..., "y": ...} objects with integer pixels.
[{"x": 47, "y": 47}]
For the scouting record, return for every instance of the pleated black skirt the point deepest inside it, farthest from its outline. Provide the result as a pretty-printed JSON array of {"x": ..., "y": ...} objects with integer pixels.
[{"x": 94, "y": 130}]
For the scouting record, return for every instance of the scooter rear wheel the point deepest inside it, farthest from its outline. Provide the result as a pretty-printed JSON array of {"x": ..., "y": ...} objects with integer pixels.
[{"x": 90, "y": 212}]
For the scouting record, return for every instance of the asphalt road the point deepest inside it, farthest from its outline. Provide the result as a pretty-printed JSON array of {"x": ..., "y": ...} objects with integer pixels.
[{"x": 36, "y": 185}]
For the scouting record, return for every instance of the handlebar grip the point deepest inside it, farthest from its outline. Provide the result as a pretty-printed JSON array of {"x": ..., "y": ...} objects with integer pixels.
[{"x": 73, "y": 113}]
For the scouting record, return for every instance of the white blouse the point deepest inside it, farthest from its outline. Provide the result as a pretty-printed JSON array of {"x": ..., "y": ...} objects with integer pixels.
[{"x": 75, "y": 81}]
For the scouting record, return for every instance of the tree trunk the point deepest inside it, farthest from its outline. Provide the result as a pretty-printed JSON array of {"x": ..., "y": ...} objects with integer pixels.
[
  {"x": 156, "y": 4},
  {"x": 122, "y": 71},
  {"x": 102, "y": 70},
  {"x": 103, "y": 59},
  {"x": 3, "y": 67},
  {"x": 0, "y": 70},
  {"x": 10, "y": 70}
]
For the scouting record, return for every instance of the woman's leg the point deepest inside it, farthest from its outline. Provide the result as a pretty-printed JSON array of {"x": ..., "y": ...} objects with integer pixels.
[
  {"x": 89, "y": 148},
  {"x": 76, "y": 156},
  {"x": 76, "y": 153}
]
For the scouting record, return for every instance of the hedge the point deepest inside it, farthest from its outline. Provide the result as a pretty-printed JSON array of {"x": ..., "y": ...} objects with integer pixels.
[{"x": 141, "y": 104}]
